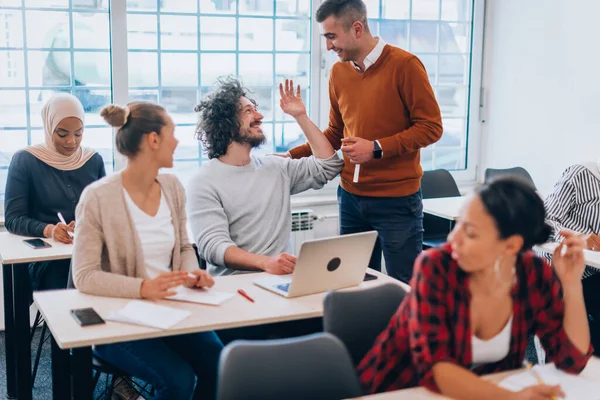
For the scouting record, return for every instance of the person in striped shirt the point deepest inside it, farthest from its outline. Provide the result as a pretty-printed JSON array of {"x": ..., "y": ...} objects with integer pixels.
[{"x": 575, "y": 205}]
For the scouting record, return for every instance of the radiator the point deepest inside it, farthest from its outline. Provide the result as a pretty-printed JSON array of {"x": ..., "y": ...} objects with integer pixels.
[{"x": 302, "y": 228}]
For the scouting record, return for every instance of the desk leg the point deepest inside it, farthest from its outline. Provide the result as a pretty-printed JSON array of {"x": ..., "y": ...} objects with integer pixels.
[
  {"x": 61, "y": 387},
  {"x": 22, "y": 332},
  {"x": 81, "y": 367},
  {"x": 9, "y": 326}
]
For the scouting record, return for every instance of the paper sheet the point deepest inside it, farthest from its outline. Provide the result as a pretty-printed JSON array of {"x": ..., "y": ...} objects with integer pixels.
[
  {"x": 575, "y": 387},
  {"x": 201, "y": 296},
  {"x": 146, "y": 313}
]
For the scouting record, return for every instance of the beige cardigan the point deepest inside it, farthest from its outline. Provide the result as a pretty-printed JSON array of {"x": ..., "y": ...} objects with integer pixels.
[{"x": 107, "y": 255}]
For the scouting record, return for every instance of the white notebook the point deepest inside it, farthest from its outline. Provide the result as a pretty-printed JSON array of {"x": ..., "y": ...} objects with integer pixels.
[
  {"x": 575, "y": 387},
  {"x": 201, "y": 296},
  {"x": 146, "y": 313}
]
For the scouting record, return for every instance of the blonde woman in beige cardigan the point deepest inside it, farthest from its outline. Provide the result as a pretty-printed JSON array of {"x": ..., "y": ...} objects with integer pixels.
[{"x": 131, "y": 241}]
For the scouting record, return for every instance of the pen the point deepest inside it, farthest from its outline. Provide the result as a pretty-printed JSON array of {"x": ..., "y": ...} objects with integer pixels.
[
  {"x": 240, "y": 291},
  {"x": 64, "y": 222},
  {"x": 196, "y": 277},
  {"x": 537, "y": 376}
]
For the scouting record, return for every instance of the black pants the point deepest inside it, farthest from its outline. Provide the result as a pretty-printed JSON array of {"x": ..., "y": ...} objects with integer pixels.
[
  {"x": 48, "y": 275},
  {"x": 591, "y": 295}
]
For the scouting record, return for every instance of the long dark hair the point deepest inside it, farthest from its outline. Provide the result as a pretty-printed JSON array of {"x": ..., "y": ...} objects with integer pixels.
[{"x": 219, "y": 123}]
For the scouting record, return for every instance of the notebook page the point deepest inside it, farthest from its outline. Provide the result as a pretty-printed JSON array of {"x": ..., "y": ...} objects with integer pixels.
[
  {"x": 145, "y": 313},
  {"x": 201, "y": 296},
  {"x": 575, "y": 387}
]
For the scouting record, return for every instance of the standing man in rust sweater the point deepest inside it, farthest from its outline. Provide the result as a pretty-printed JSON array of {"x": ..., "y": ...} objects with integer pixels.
[{"x": 383, "y": 111}]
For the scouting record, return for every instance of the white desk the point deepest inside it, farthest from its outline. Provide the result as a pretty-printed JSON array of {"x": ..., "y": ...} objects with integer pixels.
[
  {"x": 267, "y": 308},
  {"x": 591, "y": 372},
  {"x": 15, "y": 256},
  {"x": 592, "y": 258},
  {"x": 444, "y": 207},
  {"x": 14, "y": 251}
]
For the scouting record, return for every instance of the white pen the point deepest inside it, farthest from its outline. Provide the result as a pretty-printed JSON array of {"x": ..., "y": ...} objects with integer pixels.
[
  {"x": 64, "y": 222},
  {"x": 356, "y": 173}
]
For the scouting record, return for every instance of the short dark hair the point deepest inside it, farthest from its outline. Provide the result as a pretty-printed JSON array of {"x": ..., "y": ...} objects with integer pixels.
[
  {"x": 517, "y": 209},
  {"x": 348, "y": 11},
  {"x": 143, "y": 118},
  {"x": 219, "y": 123}
]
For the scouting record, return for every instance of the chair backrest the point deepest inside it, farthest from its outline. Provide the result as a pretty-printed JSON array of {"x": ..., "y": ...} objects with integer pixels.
[
  {"x": 517, "y": 172},
  {"x": 201, "y": 261},
  {"x": 70, "y": 283},
  {"x": 357, "y": 317},
  {"x": 310, "y": 367},
  {"x": 438, "y": 183}
]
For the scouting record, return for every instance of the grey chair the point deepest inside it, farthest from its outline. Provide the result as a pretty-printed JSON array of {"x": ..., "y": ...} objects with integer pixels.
[
  {"x": 516, "y": 172},
  {"x": 309, "y": 367},
  {"x": 436, "y": 184},
  {"x": 357, "y": 317}
]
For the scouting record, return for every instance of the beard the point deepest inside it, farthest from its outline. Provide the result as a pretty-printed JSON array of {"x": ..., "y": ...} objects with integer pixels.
[{"x": 251, "y": 138}]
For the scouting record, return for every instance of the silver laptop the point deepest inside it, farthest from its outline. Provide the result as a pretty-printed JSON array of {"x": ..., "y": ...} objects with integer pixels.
[{"x": 325, "y": 264}]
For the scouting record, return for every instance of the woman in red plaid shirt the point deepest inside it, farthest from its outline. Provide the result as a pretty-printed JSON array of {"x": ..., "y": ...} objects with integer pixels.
[{"x": 475, "y": 301}]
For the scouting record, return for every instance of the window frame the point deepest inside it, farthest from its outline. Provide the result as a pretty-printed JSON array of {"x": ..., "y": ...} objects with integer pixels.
[{"x": 319, "y": 98}]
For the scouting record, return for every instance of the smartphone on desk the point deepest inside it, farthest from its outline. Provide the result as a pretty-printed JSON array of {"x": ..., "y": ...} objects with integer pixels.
[
  {"x": 37, "y": 243},
  {"x": 86, "y": 316},
  {"x": 369, "y": 277}
]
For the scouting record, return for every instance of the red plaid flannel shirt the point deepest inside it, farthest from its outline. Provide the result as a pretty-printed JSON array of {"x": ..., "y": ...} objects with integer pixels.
[{"x": 433, "y": 324}]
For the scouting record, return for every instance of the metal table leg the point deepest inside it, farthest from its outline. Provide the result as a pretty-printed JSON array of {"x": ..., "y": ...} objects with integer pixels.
[
  {"x": 22, "y": 331},
  {"x": 61, "y": 385},
  {"x": 9, "y": 326},
  {"x": 81, "y": 368}
]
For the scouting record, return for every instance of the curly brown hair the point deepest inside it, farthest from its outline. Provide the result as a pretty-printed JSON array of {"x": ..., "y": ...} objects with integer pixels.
[{"x": 219, "y": 123}]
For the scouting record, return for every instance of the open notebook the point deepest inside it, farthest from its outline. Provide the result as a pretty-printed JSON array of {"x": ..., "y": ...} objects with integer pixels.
[
  {"x": 575, "y": 387},
  {"x": 147, "y": 313}
]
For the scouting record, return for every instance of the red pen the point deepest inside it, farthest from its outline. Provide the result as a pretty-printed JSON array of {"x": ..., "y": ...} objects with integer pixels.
[{"x": 240, "y": 291}]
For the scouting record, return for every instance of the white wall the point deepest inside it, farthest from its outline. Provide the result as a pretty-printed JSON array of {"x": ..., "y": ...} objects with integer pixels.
[{"x": 542, "y": 77}]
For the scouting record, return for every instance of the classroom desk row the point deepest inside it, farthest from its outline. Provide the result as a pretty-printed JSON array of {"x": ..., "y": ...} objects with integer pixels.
[
  {"x": 237, "y": 312},
  {"x": 15, "y": 257}
]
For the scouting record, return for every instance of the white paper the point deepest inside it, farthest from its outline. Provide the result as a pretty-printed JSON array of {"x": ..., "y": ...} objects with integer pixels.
[
  {"x": 575, "y": 387},
  {"x": 201, "y": 296},
  {"x": 145, "y": 313}
]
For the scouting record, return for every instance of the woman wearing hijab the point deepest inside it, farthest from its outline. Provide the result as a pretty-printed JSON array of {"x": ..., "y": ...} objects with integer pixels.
[{"x": 48, "y": 178}]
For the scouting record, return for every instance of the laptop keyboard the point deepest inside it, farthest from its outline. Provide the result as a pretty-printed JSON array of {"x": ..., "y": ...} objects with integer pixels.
[{"x": 283, "y": 287}]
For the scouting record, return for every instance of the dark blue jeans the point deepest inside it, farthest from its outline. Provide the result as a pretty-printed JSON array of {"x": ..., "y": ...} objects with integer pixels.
[
  {"x": 171, "y": 364},
  {"x": 398, "y": 222}
]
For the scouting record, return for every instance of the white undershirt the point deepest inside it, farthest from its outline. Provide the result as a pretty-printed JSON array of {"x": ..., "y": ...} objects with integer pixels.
[
  {"x": 493, "y": 349},
  {"x": 157, "y": 235}
]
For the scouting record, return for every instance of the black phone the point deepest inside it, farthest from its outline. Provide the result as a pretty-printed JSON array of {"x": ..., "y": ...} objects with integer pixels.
[
  {"x": 369, "y": 277},
  {"x": 86, "y": 316},
  {"x": 37, "y": 243}
]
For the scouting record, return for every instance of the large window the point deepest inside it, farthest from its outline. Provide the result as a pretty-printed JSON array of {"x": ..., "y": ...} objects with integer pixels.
[
  {"x": 49, "y": 46},
  {"x": 439, "y": 33},
  {"x": 177, "y": 49}
]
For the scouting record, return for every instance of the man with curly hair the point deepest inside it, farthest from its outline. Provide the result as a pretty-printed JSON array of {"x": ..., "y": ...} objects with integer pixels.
[{"x": 239, "y": 203}]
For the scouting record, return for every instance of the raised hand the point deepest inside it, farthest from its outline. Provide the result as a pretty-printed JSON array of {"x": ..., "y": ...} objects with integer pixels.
[
  {"x": 568, "y": 260},
  {"x": 291, "y": 103}
]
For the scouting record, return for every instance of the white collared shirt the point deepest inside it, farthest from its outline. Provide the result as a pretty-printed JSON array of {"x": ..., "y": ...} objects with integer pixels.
[{"x": 373, "y": 56}]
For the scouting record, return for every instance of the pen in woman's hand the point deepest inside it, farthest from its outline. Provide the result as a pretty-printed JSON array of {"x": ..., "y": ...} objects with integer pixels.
[{"x": 62, "y": 219}]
